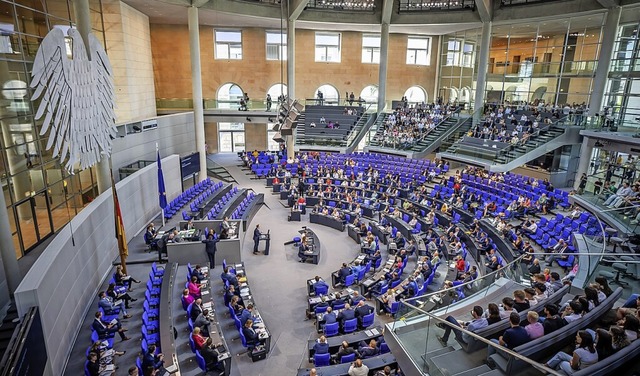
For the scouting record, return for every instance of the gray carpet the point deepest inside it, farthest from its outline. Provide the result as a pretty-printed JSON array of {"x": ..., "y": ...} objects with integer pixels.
[{"x": 278, "y": 284}]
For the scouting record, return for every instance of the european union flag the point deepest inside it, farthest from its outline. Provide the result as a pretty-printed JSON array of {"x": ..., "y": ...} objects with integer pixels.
[{"x": 162, "y": 193}]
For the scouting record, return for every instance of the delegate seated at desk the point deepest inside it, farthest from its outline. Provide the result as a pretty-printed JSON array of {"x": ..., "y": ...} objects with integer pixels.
[{"x": 251, "y": 335}]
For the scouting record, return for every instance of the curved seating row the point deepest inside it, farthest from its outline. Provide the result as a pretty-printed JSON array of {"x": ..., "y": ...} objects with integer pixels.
[
  {"x": 202, "y": 198},
  {"x": 219, "y": 206},
  {"x": 177, "y": 203},
  {"x": 548, "y": 343},
  {"x": 239, "y": 211}
]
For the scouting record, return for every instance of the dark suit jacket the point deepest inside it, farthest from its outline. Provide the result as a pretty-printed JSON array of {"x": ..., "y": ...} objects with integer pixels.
[
  {"x": 256, "y": 235},
  {"x": 150, "y": 359},
  {"x": 250, "y": 335},
  {"x": 100, "y": 328},
  {"x": 330, "y": 318},
  {"x": 367, "y": 352},
  {"x": 343, "y": 273},
  {"x": 210, "y": 356},
  {"x": 342, "y": 352},
  {"x": 364, "y": 310},
  {"x": 346, "y": 314},
  {"x": 321, "y": 348},
  {"x": 196, "y": 310}
]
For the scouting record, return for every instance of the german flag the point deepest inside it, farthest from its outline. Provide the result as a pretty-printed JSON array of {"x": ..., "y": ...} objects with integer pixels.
[{"x": 119, "y": 225}]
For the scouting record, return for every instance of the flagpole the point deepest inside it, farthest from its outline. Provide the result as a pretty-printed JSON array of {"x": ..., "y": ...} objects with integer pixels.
[{"x": 161, "y": 209}]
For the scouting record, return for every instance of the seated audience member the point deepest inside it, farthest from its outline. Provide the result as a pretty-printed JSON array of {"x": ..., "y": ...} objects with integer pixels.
[
  {"x": 512, "y": 337},
  {"x": 152, "y": 360},
  {"x": 344, "y": 350},
  {"x": 507, "y": 308},
  {"x": 492, "y": 265},
  {"x": 520, "y": 303},
  {"x": 584, "y": 355},
  {"x": 186, "y": 298},
  {"x": 346, "y": 314},
  {"x": 321, "y": 346},
  {"x": 109, "y": 306},
  {"x": 319, "y": 283},
  {"x": 358, "y": 368},
  {"x": 105, "y": 329},
  {"x": 367, "y": 350},
  {"x": 123, "y": 279},
  {"x": 111, "y": 292},
  {"x": 344, "y": 272},
  {"x": 552, "y": 320},
  {"x": 246, "y": 314},
  {"x": 533, "y": 327},
  {"x": 530, "y": 296},
  {"x": 631, "y": 324},
  {"x": 477, "y": 323},
  {"x": 329, "y": 317},
  {"x": 363, "y": 309},
  {"x": 210, "y": 355},
  {"x": 203, "y": 322},
  {"x": 535, "y": 267},
  {"x": 493, "y": 314},
  {"x": 619, "y": 338},
  {"x": 194, "y": 287},
  {"x": 198, "y": 339},
  {"x": 572, "y": 312},
  {"x": 250, "y": 335},
  {"x": 95, "y": 368},
  {"x": 199, "y": 274},
  {"x": 388, "y": 299},
  {"x": 604, "y": 344}
]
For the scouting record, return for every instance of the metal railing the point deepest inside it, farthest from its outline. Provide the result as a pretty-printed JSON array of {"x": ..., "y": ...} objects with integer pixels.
[{"x": 435, "y": 5}]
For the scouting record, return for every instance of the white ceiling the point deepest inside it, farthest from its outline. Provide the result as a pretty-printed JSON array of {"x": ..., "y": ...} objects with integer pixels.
[{"x": 160, "y": 12}]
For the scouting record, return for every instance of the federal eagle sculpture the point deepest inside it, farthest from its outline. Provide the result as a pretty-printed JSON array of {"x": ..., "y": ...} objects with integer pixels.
[{"x": 77, "y": 98}]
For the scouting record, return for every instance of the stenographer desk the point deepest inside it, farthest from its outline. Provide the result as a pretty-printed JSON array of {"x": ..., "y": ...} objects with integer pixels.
[
  {"x": 353, "y": 339},
  {"x": 326, "y": 220},
  {"x": 374, "y": 364}
]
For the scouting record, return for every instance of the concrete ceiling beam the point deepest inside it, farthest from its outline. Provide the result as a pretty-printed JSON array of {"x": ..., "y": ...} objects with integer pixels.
[
  {"x": 296, "y": 7},
  {"x": 485, "y": 10}
]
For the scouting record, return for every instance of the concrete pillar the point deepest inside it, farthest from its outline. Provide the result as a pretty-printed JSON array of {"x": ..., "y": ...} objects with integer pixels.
[
  {"x": 83, "y": 25},
  {"x": 483, "y": 65},
  {"x": 196, "y": 85},
  {"x": 382, "y": 70},
  {"x": 291, "y": 78},
  {"x": 585, "y": 159},
  {"x": 609, "y": 32}
]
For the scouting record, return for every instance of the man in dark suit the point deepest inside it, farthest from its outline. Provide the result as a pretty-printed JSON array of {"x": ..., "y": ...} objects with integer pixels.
[
  {"x": 246, "y": 314},
  {"x": 210, "y": 356},
  {"x": 344, "y": 272},
  {"x": 329, "y": 317},
  {"x": 200, "y": 275},
  {"x": 362, "y": 310},
  {"x": 104, "y": 329},
  {"x": 230, "y": 277},
  {"x": 210, "y": 246},
  {"x": 346, "y": 314},
  {"x": 256, "y": 239},
  {"x": 367, "y": 351},
  {"x": 196, "y": 309},
  {"x": 250, "y": 335},
  {"x": 319, "y": 283},
  {"x": 151, "y": 359},
  {"x": 345, "y": 349}
]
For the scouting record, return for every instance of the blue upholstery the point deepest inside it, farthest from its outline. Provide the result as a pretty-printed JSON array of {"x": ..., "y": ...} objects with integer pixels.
[
  {"x": 331, "y": 329},
  {"x": 321, "y": 360},
  {"x": 348, "y": 358},
  {"x": 350, "y": 325},
  {"x": 367, "y": 320}
]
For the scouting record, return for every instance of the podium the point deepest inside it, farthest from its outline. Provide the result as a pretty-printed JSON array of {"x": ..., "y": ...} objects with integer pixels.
[{"x": 267, "y": 242}]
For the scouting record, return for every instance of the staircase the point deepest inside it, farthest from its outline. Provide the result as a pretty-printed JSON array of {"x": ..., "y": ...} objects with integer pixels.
[
  {"x": 435, "y": 133},
  {"x": 219, "y": 172},
  {"x": 300, "y": 139},
  {"x": 547, "y": 141}
]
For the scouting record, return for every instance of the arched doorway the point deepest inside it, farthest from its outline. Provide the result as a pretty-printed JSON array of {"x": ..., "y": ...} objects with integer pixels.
[
  {"x": 416, "y": 94},
  {"x": 329, "y": 94},
  {"x": 229, "y": 95},
  {"x": 370, "y": 94},
  {"x": 276, "y": 90}
]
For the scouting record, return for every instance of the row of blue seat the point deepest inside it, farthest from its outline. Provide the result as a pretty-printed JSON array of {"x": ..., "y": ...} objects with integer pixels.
[
  {"x": 217, "y": 208},
  {"x": 177, "y": 203},
  {"x": 239, "y": 211}
]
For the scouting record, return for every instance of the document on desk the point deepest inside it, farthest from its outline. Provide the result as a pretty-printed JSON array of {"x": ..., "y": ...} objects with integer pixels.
[
  {"x": 172, "y": 368},
  {"x": 207, "y": 305},
  {"x": 204, "y": 292},
  {"x": 113, "y": 322}
]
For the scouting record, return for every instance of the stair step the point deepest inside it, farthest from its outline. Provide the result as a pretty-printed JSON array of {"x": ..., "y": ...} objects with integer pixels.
[{"x": 457, "y": 361}]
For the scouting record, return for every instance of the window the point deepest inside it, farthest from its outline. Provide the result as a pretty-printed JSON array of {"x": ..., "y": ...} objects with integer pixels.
[
  {"x": 415, "y": 94},
  {"x": 418, "y": 51},
  {"x": 228, "y": 44},
  {"x": 276, "y": 45},
  {"x": 371, "y": 48},
  {"x": 370, "y": 94},
  {"x": 467, "y": 55},
  {"x": 459, "y": 54},
  {"x": 453, "y": 53},
  {"x": 6, "y": 31},
  {"x": 328, "y": 47}
]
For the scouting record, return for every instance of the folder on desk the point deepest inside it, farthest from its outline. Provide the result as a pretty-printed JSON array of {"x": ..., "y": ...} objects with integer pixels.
[
  {"x": 110, "y": 367},
  {"x": 172, "y": 368},
  {"x": 114, "y": 321},
  {"x": 204, "y": 292}
]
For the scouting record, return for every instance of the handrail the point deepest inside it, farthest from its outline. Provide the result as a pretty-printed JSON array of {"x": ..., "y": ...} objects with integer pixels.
[
  {"x": 361, "y": 123},
  {"x": 493, "y": 274},
  {"x": 504, "y": 349}
]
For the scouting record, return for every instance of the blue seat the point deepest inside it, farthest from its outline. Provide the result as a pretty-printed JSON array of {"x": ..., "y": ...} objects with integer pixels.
[
  {"x": 395, "y": 306},
  {"x": 320, "y": 310},
  {"x": 349, "y": 280},
  {"x": 331, "y": 329},
  {"x": 348, "y": 358},
  {"x": 350, "y": 325},
  {"x": 367, "y": 320},
  {"x": 192, "y": 344},
  {"x": 200, "y": 360},
  {"x": 321, "y": 360},
  {"x": 322, "y": 290},
  {"x": 139, "y": 365},
  {"x": 95, "y": 338}
]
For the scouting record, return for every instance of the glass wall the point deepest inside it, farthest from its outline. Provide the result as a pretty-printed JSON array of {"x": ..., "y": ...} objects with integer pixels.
[
  {"x": 622, "y": 96},
  {"x": 41, "y": 196},
  {"x": 551, "y": 61},
  {"x": 458, "y": 71}
]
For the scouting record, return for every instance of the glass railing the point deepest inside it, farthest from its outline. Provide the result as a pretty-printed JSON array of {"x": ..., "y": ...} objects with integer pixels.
[
  {"x": 415, "y": 322},
  {"x": 212, "y": 104}
]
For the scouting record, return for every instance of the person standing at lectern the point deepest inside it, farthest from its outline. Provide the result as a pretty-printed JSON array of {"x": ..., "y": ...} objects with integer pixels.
[
  {"x": 256, "y": 239},
  {"x": 211, "y": 248}
]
